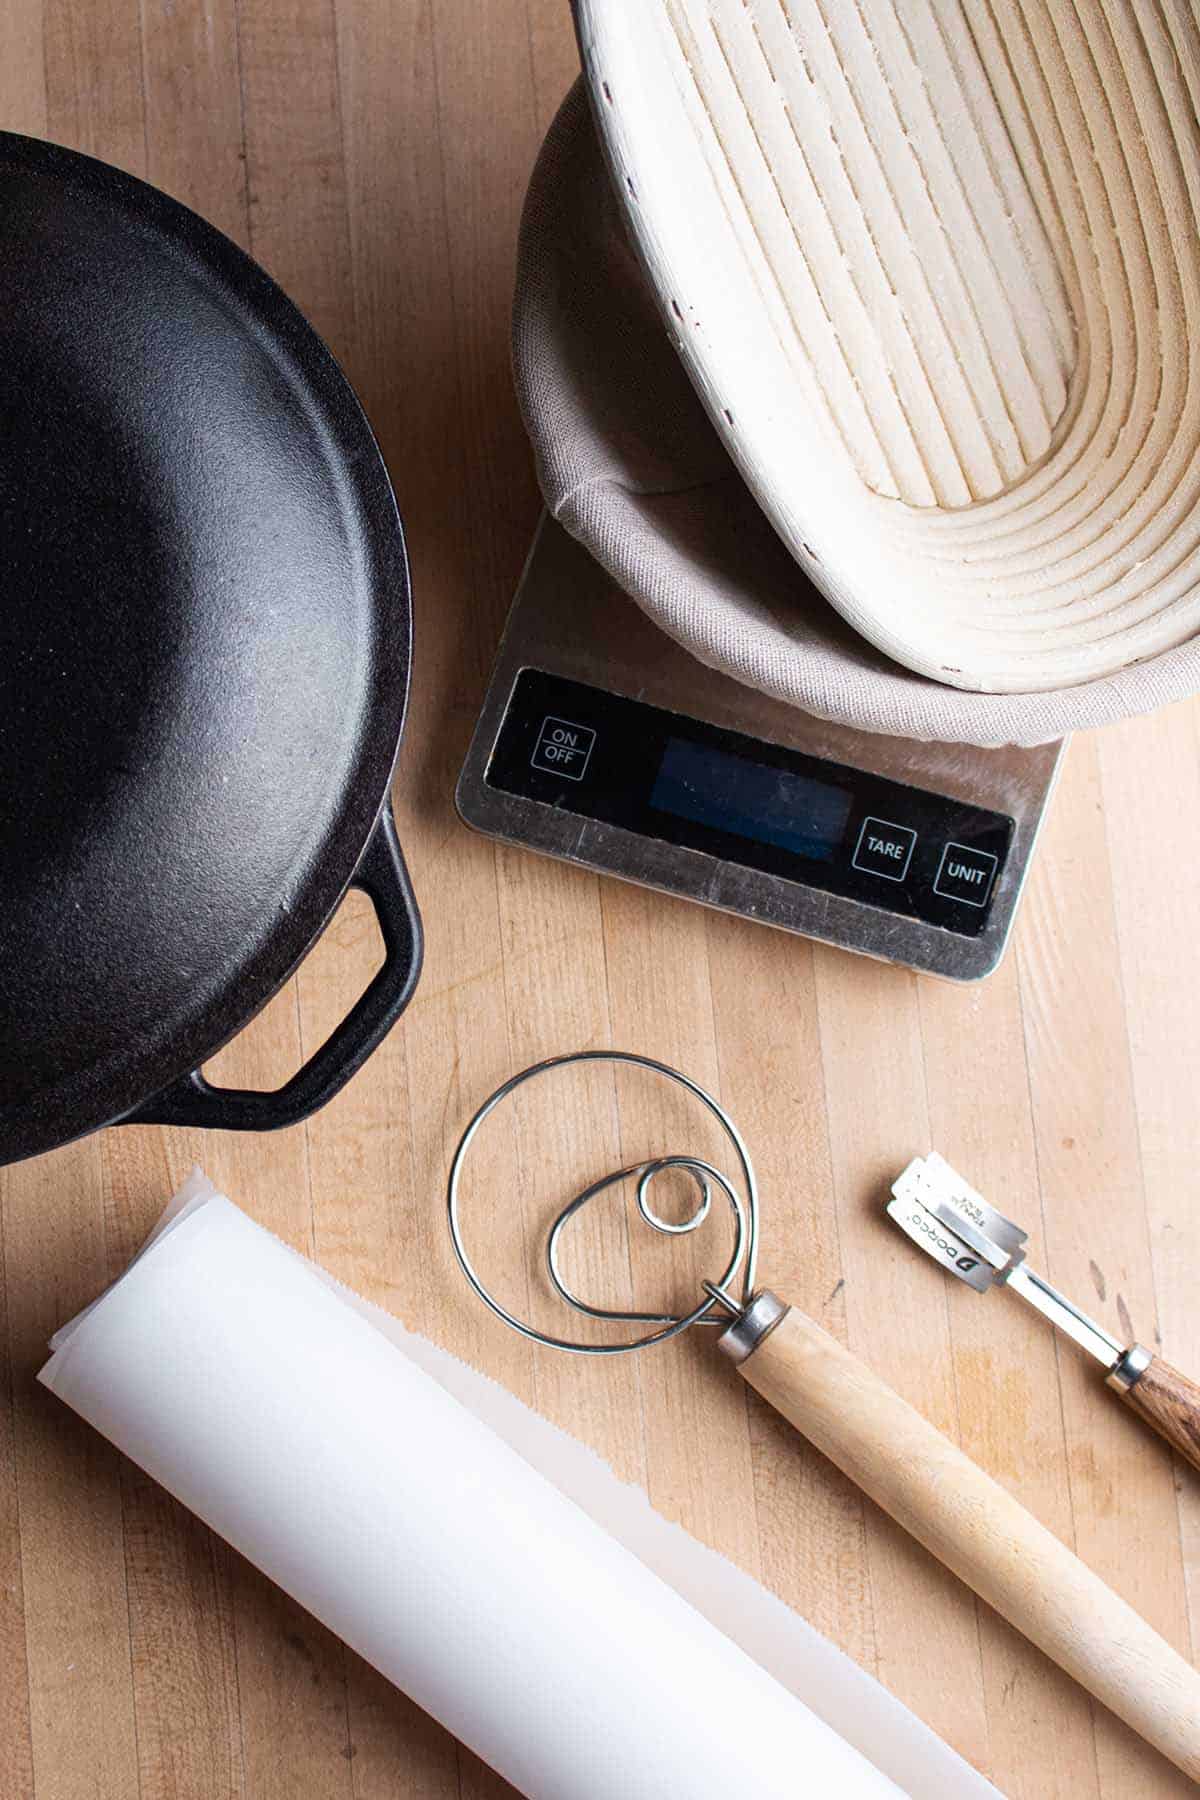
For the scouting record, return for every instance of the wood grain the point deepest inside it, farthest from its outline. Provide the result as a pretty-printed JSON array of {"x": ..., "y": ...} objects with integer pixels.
[
  {"x": 1170, "y": 1402},
  {"x": 1150, "y": 776},
  {"x": 374, "y": 156},
  {"x": 1010, "y": 1409}
]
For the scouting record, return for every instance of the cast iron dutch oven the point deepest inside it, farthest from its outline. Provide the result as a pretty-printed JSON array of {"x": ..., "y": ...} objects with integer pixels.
[{"x": 205, "y": 637}]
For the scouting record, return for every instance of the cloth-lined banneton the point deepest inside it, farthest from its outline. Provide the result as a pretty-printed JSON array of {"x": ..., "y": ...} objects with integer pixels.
[{"x": 630, "y": 463}]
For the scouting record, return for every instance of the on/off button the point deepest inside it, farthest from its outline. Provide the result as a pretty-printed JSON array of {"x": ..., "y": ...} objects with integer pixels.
[
  {"x": 884, "y": 849},
  {"x": 564, "y": 748}
]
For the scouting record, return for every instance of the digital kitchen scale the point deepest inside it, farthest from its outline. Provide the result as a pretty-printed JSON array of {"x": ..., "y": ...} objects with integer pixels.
[{"x": 602, "y": 741}]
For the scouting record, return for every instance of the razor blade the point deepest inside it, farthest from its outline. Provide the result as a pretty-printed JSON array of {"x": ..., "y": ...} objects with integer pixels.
[{"x": 950, "y": 1221}]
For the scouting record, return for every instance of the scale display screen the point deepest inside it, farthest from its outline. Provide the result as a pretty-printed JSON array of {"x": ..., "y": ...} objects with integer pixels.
[
  {"x": 686, "y": 782},
  {"x": 770, "y": 805}
]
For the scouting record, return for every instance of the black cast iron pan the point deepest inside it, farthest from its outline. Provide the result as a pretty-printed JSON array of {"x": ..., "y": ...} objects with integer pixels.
[{"x": 205, "y": 638}]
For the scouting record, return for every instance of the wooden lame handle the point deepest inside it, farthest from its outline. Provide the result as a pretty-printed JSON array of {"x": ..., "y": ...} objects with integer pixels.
[
  {"x": 1171, "y": 1403},
  {"x": 973, "y": 1526}
]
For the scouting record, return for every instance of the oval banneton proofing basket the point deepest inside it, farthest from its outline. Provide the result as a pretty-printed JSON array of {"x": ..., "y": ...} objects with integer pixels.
[
  {"x": 986, "y": 563},
  {"x": 205, "y": 642}
]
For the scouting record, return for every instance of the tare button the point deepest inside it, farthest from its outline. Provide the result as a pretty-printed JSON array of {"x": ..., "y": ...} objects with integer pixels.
[
  {"x": 884, "y": 849},
  {"x": 564, "y": 748},
  {"x": 966, "y": 874}
]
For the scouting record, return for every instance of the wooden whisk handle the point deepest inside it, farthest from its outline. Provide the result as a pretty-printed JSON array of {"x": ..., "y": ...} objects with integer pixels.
[
  {"x": 1165, "y": 1399},
  {"x": 971, "y": 1524}
]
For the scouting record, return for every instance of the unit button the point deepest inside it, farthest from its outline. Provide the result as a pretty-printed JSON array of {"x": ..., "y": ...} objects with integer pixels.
[
  {"x": 884, "y": 849},
  {"x": 564, "y": 748},
  {"x": 966, "y": 875}
]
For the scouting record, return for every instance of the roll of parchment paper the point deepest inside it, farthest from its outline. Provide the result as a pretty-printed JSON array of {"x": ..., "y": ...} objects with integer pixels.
[{"x": 269, "y": 1401}]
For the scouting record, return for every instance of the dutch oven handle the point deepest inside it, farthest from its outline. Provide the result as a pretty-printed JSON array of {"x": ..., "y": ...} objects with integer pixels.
[{"x": 192, "y": 1100}]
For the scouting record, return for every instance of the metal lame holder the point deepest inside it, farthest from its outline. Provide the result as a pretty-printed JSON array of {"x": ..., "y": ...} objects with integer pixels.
[{"x": 943, "y": 1214}]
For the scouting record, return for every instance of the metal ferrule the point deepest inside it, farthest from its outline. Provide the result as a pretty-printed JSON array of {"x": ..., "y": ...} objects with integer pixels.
[
  {"x": 749, "y": 1329},
  {"x": 1129, "y": 1370}
]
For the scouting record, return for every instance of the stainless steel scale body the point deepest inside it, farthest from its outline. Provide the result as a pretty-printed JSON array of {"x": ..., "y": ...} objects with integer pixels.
[{"x": 587, "y": 693}]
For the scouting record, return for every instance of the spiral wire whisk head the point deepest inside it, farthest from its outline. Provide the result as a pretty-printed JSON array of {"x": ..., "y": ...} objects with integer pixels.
[{"x": 718, "y": 1302}]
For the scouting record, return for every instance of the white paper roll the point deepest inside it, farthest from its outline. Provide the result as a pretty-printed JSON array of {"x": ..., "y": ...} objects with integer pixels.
[{"x": 260, "y": 1395}]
